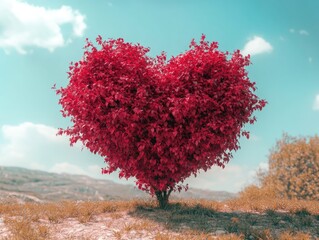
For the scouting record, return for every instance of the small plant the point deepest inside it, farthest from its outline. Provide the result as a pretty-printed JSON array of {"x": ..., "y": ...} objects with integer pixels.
[
  {"x": 236, "y": 226},
  {"x": 271, "y": 213},
  {"x": 22, "y": 228},
  {"x": 274, "y": 216},
  {"x": 231, "y": 237},
  {"x": 303, "y": 218},
  {"x": 302, "y": 212},
  {"x": 139, "y": 226},
  {"x": 115, "y": 215},
  {"x": 260, "y": 234},
  {"x": 252, "y": 220},
  {"x": 294, "y": 236},
  {"x": 287, "y": 218},
  {"x": 304, "y": 222},
  {"x": 117, "y": 234},
  {"x": 197, "y": 210},
  {"x": 86, "y": 211}
]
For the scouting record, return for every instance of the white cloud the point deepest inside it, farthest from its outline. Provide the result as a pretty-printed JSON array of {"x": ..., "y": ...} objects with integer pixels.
[
  {"x": 316, "y": 103},
  {"x": 264, "y": 166},
  {"x": 24, "y": 26},
  {"x": 94, "y": 169},
  {"x": 36, "y": 146},
  {"x": 65, "y": 167},
  {"x": 303, "y": 32},
  {"x": 232, "y": 178},
  {"x": 21, "y": 139},
  {"x": 257, "y": 45}
]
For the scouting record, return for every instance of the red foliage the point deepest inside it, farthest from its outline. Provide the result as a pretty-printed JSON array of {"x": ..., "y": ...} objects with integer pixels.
[{"x": 156, "y": 120}]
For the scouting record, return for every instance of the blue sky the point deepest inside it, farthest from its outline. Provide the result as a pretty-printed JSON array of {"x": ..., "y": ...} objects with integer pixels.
[{"x": 38, "y": 40}]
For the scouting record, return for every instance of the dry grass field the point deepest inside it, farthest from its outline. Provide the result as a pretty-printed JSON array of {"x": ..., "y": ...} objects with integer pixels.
[{"x": 247, "y": 217}]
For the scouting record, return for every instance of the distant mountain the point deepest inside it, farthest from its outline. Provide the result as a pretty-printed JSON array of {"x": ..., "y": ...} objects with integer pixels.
[{"x": 26, "y": 185}]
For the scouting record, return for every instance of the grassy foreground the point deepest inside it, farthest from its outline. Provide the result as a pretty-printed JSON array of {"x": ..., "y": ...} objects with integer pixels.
[{"x": 242, "y": 218}]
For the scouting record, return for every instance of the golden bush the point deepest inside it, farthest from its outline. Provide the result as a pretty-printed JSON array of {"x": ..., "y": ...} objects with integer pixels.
[{"x": 294, "y": 168}]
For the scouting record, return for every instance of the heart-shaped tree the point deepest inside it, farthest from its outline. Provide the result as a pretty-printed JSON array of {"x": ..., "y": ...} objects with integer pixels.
[{"x": 156, "y": 120}]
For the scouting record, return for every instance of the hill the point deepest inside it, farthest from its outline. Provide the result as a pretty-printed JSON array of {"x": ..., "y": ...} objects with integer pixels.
[{"x": 26, "y": 185}]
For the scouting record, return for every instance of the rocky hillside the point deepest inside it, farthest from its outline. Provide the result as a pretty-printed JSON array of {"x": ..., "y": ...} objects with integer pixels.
[{"x": 26, "y": 185}]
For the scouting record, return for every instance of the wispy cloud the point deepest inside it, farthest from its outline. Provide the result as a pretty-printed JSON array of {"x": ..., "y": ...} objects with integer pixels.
[
  {"x": 316, "y": 103},
  {"x": 310, "y": 59},
  {"x": 257, "y": 45},
  {"x": 301, "y": 31},
  {"x": 25, "y": 26},
  {"x": 281, "y": 38}
]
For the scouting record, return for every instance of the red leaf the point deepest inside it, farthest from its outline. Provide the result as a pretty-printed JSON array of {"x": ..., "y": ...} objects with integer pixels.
[{"x": 156, "y": 120}]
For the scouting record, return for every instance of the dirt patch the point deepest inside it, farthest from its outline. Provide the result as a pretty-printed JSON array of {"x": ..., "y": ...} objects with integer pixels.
[{"x": 143, "y": 220}]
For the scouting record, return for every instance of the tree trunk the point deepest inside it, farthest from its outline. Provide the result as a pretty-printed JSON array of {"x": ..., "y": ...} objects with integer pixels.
[{"x": 162, "y": 198}]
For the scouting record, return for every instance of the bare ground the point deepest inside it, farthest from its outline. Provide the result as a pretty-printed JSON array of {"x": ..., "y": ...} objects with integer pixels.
[{"x": 178, "y": 222}]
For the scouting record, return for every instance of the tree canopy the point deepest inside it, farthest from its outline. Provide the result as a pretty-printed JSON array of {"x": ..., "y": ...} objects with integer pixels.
[
  {"x": 156, "y": 120},
  {"x": 294, "y": 168}
]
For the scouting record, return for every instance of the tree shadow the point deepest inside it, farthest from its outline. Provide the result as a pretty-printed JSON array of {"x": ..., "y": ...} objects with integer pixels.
[{"x": 180, "y": 217}]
